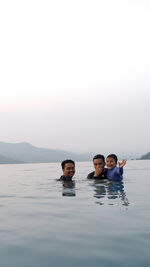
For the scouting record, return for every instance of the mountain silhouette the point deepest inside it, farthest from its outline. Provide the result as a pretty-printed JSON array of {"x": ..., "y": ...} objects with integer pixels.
[
  {"x": 26, "y": 153},
  {"x": 146, "y": 156}
]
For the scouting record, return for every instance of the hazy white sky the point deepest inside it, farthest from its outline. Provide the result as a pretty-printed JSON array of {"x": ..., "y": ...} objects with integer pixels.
[{"x": 75, "y": 75}]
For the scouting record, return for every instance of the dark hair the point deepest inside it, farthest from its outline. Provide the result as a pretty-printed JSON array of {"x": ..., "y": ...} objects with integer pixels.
[
  {"x": 99, "y": 156},
  {"x": 67, "y": 161},
  {"x": 113, "y": 156}
]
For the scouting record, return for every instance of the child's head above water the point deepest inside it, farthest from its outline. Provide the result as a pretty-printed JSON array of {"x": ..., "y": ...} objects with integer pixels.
[{"x": 111, "y": 161}]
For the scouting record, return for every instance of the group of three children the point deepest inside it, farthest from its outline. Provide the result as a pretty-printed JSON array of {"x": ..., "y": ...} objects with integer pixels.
[{"x": 112, "y": 172}]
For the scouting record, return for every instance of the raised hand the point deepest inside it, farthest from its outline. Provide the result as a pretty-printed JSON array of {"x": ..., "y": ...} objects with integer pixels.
[
  {"x": 122, "y": 163},
  {"x": 98, "y": 171}
]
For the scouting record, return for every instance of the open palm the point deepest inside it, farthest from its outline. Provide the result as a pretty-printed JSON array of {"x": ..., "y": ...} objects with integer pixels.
[{"x": 122, "y": 163}]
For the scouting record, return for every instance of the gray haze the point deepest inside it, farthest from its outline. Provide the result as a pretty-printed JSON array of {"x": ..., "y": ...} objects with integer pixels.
[{"x": 75, "y": 75}]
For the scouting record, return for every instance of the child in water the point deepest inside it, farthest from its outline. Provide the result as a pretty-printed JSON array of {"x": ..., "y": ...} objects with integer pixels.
[{"x": 114, "y": 173}]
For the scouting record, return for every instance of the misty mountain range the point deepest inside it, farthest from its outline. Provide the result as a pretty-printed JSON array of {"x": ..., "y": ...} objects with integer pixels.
[
  {"x": 15, "y": 153},
  {"x": 146, "y": 156}
]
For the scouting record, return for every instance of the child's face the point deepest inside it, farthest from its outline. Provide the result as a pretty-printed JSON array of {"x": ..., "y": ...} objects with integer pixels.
[{"x": 110, "y": 163}]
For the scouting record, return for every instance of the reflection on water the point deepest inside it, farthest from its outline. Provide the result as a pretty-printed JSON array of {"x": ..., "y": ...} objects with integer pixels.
[
  {"x": 116, "y": 190},
  {"x": 39, "y": 226},
  {"x": 99, "y": 190},
  {"x": 68, "y": 188},
  {"x": 102, "y": 189},
  {"x": 111, "y": 190}
]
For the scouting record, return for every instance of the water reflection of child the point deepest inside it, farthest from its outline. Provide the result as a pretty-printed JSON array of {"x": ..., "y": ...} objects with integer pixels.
[
  {"x": 111, "y": 189},
  {"x": 115, "y": 189},
  {"x": 114, "y": 173}
]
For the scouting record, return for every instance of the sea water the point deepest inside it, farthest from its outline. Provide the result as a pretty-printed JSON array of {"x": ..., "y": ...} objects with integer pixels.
[{"x": 44, "y": 223}]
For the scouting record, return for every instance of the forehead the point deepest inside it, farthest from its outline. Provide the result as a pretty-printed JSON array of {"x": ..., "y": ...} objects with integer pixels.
[
  {"x": 98, "y": 161},
  {"x": 69, "y": 165},
  {"x": 110, "y": 159}
]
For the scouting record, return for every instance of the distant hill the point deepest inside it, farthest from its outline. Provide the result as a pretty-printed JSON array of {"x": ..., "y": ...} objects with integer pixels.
[
  {"x": 146, "y": 156},
  {"x": 26, "y": 153},
  {"x": 5, "y": 160}
]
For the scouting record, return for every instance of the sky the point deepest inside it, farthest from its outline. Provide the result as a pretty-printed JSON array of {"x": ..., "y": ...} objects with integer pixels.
[{"x": 75, "y": 75}]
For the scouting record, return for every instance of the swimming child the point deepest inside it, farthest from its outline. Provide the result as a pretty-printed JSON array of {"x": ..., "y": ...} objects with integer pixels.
[{"x": 114, "y": 173}]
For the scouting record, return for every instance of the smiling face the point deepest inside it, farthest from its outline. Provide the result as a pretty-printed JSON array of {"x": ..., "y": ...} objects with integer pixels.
[
  {"x": 110, "y": 163},
  {"x": 98, "y": 163},
  {"x": 69, "y": 170}
]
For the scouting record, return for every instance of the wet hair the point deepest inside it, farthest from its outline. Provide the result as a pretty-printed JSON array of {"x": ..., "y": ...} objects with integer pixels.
[
  {"x": 99, "y": 156},
  {"x": 113, "y": 156},
  {"x": 67, "y": 161}
]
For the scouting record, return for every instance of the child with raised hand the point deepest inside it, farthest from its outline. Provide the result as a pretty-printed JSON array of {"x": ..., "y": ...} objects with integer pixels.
[{"x": 114, "y": 173}]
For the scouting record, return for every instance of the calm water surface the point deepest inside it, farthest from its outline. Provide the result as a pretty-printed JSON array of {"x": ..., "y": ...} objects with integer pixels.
[{"x": 44, "y": 223}]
